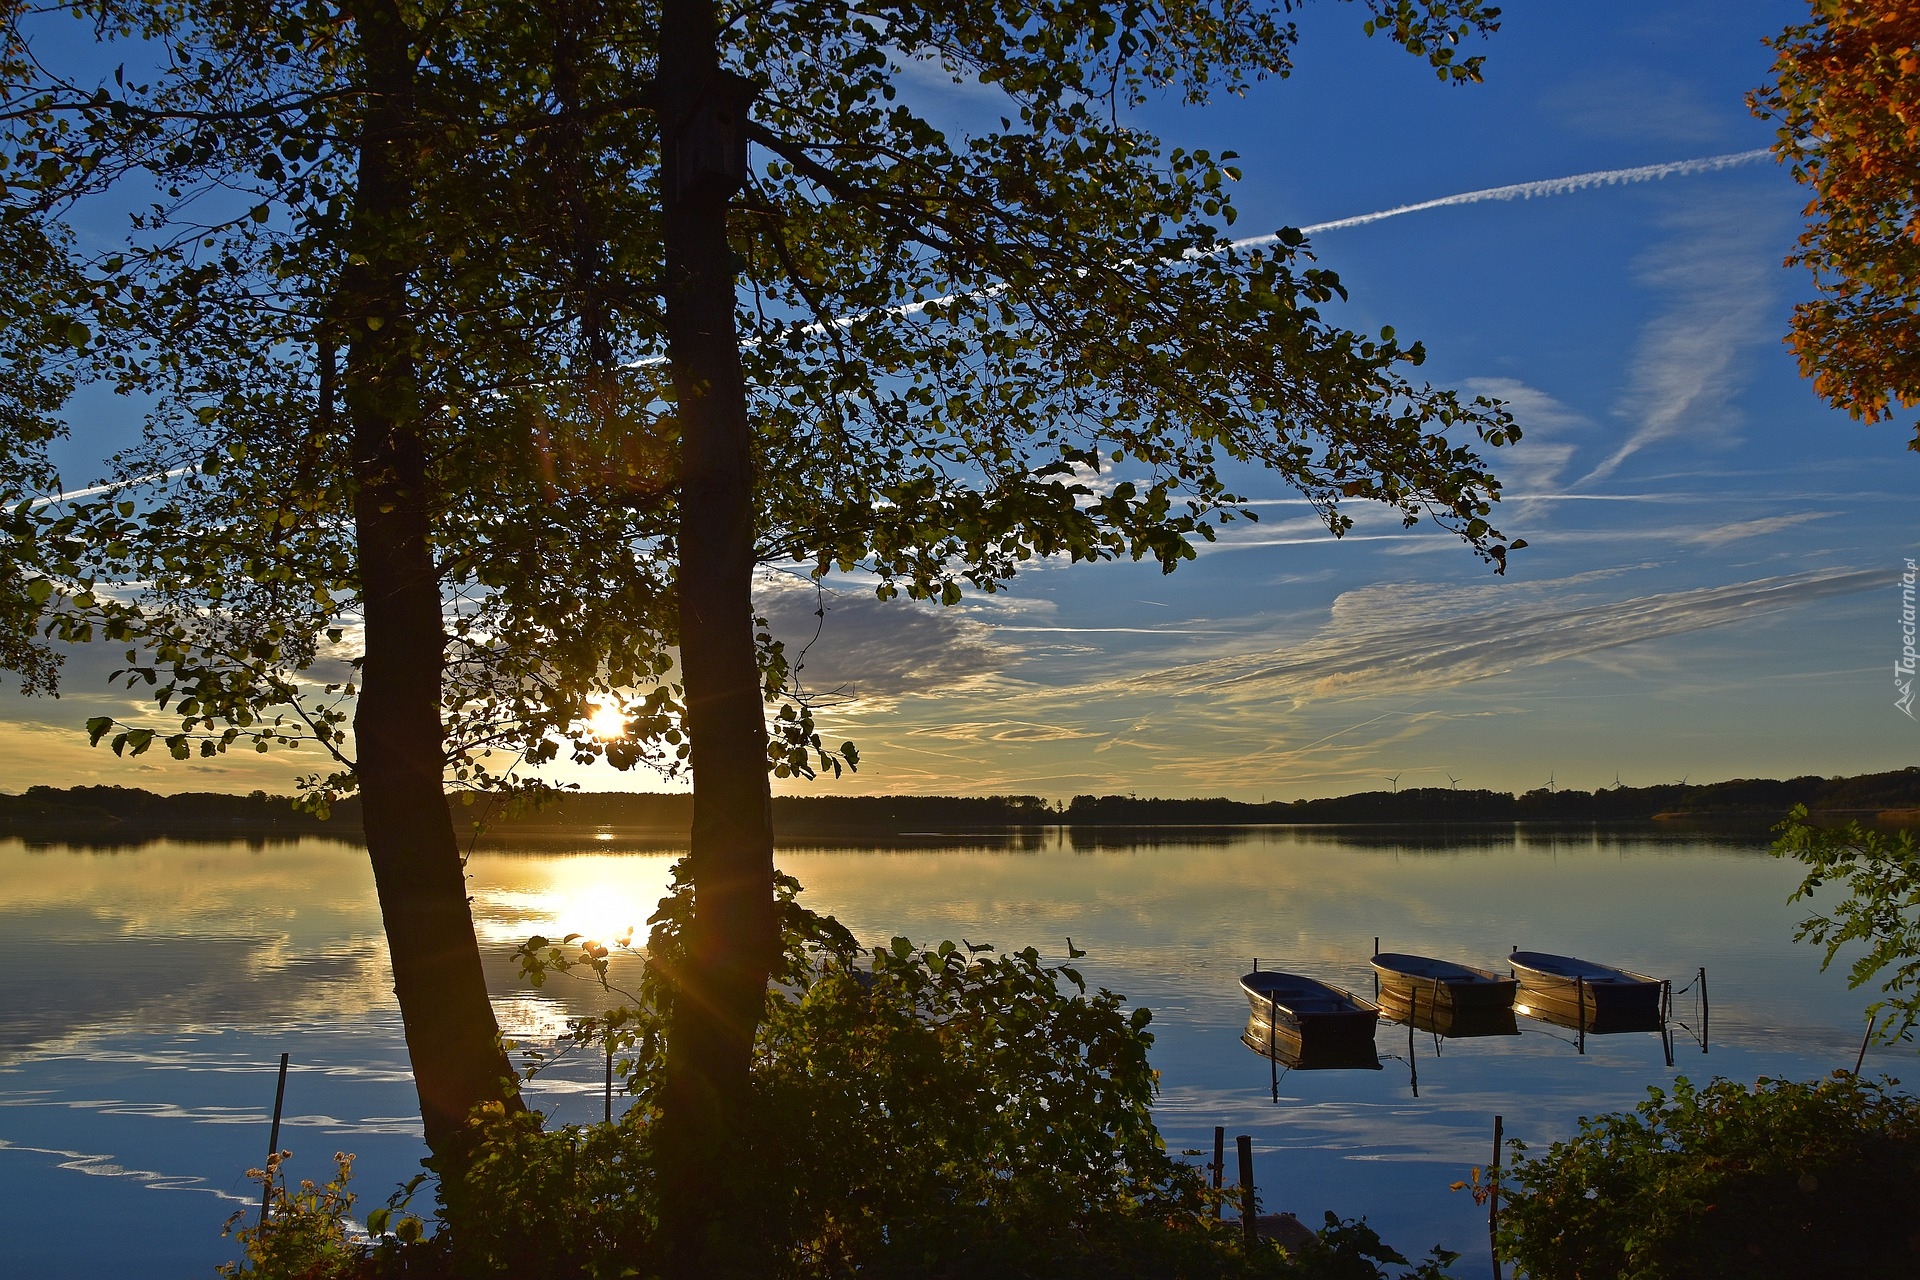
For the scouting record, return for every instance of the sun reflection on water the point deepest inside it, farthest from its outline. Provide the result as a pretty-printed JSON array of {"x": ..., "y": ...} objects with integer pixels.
[{"x": 600, "y": 897}]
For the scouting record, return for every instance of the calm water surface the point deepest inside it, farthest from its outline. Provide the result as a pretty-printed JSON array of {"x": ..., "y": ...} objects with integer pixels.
[{"x": 147, "y": 993}]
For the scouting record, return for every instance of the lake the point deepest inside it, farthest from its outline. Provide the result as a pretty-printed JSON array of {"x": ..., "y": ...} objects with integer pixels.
[{"x": 147, "y": 992}]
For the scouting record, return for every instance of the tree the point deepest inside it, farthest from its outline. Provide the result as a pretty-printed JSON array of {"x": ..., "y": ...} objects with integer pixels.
[
  {"x": 947, "y": 339},
  {"x": 602, "y": 359},
  {"x": 36, "y": 344},
  {"x": 1881, "y": 911},
  {"x": 287, "y": 303},
  {"x": 1846, "y": 93}
]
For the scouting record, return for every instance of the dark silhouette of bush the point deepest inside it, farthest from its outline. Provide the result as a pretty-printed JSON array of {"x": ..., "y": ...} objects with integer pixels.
[{"x": 1783, "y": 1180}]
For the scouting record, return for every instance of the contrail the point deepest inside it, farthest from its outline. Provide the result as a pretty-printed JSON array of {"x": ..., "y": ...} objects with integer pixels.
[
  {"x": 1535, "y": 190},
  {"x": 96, "y": 490},
  {"x": 1540, "y": 189}
]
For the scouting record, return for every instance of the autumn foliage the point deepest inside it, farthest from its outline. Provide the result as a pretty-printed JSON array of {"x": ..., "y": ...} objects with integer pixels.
[{"x": 1846, "y": 93}]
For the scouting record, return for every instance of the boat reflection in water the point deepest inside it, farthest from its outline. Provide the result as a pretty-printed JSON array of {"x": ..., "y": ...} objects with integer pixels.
[
  {"x": 1275, "y": 1043},
  {"x": 1418, "y": 1010}
]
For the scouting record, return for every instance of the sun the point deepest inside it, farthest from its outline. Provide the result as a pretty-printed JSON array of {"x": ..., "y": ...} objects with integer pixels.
[{"x": 606, "y": 722}]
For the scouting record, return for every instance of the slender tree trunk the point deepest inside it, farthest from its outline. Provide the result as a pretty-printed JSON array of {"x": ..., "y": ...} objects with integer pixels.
[
  {"x": 733, "y": 938},
  {"x": 452, "y": 1038}
]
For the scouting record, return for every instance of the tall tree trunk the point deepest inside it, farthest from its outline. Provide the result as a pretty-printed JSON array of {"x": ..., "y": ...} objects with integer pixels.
[
  {"x": 733, "y": 938},
  {"x": 452, "y": 1038}
]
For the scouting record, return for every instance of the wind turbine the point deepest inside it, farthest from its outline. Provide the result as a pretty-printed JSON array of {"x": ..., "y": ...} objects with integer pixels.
[
  {"x": 1395, "y": 780},
  {"x": 1453, "y": 781}
]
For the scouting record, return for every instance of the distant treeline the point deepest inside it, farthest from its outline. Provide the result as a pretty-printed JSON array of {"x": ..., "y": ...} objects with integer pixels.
[
  {"x": 130, "y": 808},
  {"x": 131, "y": 811},
  {"x": 1768, "y": 797}
]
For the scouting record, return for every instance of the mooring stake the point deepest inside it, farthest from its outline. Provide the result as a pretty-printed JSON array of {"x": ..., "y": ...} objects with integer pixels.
[
  {"x": 1219, "y": 1166},
  {"x": 273, "y": 1142},
  {"x": 1247, "y": 1211},
  {"x": 1865, "y": 1040},
  {"x": 1580, "y": 1006},
  {"x": 1493, "y": 1200}
]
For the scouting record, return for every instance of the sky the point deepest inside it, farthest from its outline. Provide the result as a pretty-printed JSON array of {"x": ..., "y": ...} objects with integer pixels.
[{"x": 1712, "y": 585}]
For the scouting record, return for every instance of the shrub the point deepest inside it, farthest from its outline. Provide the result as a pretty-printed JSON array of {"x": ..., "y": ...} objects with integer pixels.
[
  {"x": 309, "y": 1234},
  {"x": 919, "y": 1112},
  {"x": 1782, "y": 1180}
]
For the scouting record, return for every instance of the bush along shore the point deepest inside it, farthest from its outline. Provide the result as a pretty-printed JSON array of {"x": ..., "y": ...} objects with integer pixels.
[
  {"x": 130, "y": 813},
  {"x": 935, "y": 1112}
]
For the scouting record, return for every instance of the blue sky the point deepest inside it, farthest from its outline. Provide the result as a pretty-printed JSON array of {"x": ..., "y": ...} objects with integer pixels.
[{"x": 1712, "y": 588}]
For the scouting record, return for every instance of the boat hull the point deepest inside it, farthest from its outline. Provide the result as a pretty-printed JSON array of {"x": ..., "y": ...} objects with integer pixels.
[
  {"x": 1411, "y": 980},
  {"x": 1317, "y": 1020},
  {"x": 1597, "y": 999}
]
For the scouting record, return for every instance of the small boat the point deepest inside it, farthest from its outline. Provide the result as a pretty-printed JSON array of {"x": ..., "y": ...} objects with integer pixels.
[
  {"x": 1316, "y": 1021},
  {"x": 1585, "y": 995},
  {"x": 1440, "y": 984}
]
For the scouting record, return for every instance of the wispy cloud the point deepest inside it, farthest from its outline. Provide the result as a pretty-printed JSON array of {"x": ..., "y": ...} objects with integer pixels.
[
  {"x": 1411, "y": 639},
  {"x": 1720, "y": 275},
  {"x": 1550, "y": 434},
  {"x": 859, "y": 647},
  {"x": 1639, "y": 103},
  {"x": 1003, "y": 731},
  {"x": 1741, "y": 530}
]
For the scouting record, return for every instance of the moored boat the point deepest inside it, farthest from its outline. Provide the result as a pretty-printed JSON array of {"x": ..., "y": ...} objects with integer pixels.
[
  {"x": 1584, "y": 994},
  {"x": 1440, "y": 984},
  {"x": 1318, "y": 1019}
]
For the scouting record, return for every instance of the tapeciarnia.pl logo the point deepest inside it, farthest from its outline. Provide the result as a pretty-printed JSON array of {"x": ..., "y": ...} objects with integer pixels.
[{"x": 1903, "y": 667}]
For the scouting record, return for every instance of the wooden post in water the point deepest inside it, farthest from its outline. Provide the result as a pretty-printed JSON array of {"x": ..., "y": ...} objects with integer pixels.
[
  {"x": 1864, "y": 1041},
  {"x": 1247, "y": 1210},
  {"x": 273, "y": 1142},
  {"x": 1580, "y": 1010},
  {"x": 1219, "y": 1166},
  {"x": 1273, "y": 1062},
  {"x": 1376, "y": 972},
  {"x": 1493, "y": 1200},
  {"x": 1413, "y": 1059},
  {"x": 609, "y": 1072},
  {"x": 1666, "y": 1019}
]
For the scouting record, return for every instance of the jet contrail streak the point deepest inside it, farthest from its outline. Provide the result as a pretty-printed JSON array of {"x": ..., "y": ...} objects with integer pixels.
[
  {"x": 98, "y": 489},
  {"x": 1535, "y": 190},
  {"x": 1517, "y": 191}
]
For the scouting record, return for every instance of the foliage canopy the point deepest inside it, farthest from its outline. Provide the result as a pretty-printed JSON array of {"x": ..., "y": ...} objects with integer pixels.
[
  {"x": 1782, "y": 1180},
  {"x": 1880, "y": 913},
  {"x": 963, "y": 352},
  {"x": 1846, "y": 92}
]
